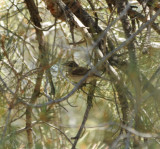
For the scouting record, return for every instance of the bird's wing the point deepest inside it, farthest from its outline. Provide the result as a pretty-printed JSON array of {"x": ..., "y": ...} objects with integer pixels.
[{"x": 80, "y": 71}]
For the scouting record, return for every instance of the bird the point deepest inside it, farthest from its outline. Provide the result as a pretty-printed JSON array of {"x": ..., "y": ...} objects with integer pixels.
[{"x": 76, "y": 73}]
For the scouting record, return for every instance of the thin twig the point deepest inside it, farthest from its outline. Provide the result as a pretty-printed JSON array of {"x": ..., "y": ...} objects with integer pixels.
[{"x": 88, "y": 108}]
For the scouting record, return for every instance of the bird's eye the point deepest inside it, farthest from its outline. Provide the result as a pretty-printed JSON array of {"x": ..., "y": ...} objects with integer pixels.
[{"x": 72, "y": 65}]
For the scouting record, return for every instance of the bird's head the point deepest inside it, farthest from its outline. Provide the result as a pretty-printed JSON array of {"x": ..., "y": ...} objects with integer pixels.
[{"x": 71, "y": 64}]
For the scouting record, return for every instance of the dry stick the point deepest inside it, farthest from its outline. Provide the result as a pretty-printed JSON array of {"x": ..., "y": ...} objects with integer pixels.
[
  {"x": 133, "y": 131},
  {"x": 142, "y": 18},
  {"x": 101, "y": 126},
  {"x": 36, "y": 19},
  {"x": 88, "y": 108},
  {"x": 59, "y": 131}
]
